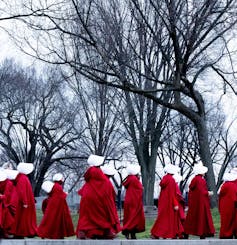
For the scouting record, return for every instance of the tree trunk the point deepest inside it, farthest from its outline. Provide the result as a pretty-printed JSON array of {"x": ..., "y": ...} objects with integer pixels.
[
  {"x": 148, "y": 168},
  {"x": 38, "y": 184},
  {"x": 206, "y": 157},
  {"x": 148, "y": 180},
  {"x": 39, "y": 181}
]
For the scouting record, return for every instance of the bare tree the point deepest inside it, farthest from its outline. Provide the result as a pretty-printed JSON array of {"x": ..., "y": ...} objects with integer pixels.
[
  {"x": 99, "y": 111},
  {"x": 182, "y": 35},
  {"x": 179, "y": 145},
  {"x": 224, "y": 147},
  {"x": 145, "y": 125},
  {"x": 35, "y": 125}
]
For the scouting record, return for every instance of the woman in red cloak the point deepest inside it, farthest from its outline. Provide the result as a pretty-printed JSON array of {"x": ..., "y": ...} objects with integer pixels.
[
  {"x": 199, "y": 221},
  {"x": 181, "y": 203},
  {"x": 57, "y": 178},
  {"x": 8, "y": 202},
  {"x": 57, "y": 221},
  {"x": 167, "y": 223},
  {"x": 109, "y": 172},
  {"x": 98, "y": 218},
  {"x": 227, "y": 206},
  {"x": 25, "y": 211},
  {"x": 134, "y": 218}
]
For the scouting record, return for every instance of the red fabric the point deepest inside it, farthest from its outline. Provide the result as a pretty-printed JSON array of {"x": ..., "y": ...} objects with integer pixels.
[
  {"x": 227, "y": 208},
  {"x": 25, "y": 217},
  {"x": 180, "y": 214},
  {"x": 57, "y": 221},
  {"x": 235, "y": 230},
  {"x": 199, "y": 220},
  {"x": 168, "y": 222},
  {"x": 115, "y": 228},
  {"x": 134, "y": 218},
  {"x": 44, "y": 204},
  {"x": 8, "y": 203},
  {"x": 97, "y": 213}
]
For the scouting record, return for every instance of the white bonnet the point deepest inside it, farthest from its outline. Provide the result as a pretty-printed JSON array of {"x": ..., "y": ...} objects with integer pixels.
[
  {"x": 108, "y": 170},
  {"x": 95, "y": 160},
  {"x": 133, "y": 169},
  {"x": 11, "y": 173},
  {"x": 199, "y": 168},
  {"x": 25, "y": 168},
  {"x": 3, "y": 175},
  {"x": 47, "y": 186},
  {"x": 229, "y": 177},
  {"x": 171, "y": 169},
  {"x": 58, "y": 177}
]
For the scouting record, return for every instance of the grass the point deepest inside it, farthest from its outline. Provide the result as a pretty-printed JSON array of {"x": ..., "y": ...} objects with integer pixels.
[
  {"x": 216, "y": 221},
  {"x": 149, "y": 224}
]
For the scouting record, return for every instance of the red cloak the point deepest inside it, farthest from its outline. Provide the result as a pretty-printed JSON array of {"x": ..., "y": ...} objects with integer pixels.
[
  {"x": 97, "y": 212},
  {"x": 199, "y": 219},
  {"x": 57, "y": 221},
  {"x": 168, "y": 223},
  {"x": 180, "y": 212},
  {"x": 8, "y": 203},
  {"x": 115, "y": 228},
  {"x": 25, "y": 216},
  {"x": 44, "y": 204},
  {"x": 134, "y": 218},
  {"x": 227, "y": 208}
]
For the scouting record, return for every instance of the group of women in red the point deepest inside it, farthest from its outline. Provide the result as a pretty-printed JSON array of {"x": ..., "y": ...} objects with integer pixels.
[
  {"x": 18, "y": 211},
  {"x": 98, "y": 216},
  {"x": 171, "y": 220},
  {"x": 17, "y": 203}
]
